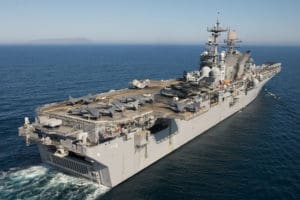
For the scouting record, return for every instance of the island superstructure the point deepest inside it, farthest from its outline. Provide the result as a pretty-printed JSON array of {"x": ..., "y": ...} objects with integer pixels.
[{"x": 111, "y": 136}]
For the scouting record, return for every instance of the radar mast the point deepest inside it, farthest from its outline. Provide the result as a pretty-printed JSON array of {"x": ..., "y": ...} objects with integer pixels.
[
  {"x": 231, "y": 40},
  {"x": 213, "y": 41}
]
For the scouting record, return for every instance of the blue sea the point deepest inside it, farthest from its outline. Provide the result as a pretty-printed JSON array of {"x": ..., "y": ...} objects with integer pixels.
[{"x": 254, "y": 154}]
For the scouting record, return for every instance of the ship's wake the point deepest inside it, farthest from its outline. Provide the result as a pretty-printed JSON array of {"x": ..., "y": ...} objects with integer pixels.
[{"x": 41, "y": 182}]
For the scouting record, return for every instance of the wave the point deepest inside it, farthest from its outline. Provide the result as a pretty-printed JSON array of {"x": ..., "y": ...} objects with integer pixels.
[{"x": 41, "y": 182}]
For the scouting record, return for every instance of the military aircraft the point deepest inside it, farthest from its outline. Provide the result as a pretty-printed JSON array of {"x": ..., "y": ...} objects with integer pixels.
[
  {"x": 145, "y": 99},
  {"x": 118, "y": 106},
  {"x": 107, "y": 112},
  {"x": 134, "y": 105},
  {"x": 170, "y": 92},
  {"x": 86, "y": 112},
  {"x": 82, "y": 100},
  {"x": 127, "y": 99}
]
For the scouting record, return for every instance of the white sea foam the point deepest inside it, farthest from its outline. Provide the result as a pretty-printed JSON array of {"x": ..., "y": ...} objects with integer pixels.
[
  {"x": 41, "y": 182},
  {"x": 268, "y": 93},
  {"x": 29, "y": 173}
]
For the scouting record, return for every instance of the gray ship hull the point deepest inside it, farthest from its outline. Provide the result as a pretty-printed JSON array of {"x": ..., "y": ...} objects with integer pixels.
[{"x": 115, "y": 161}]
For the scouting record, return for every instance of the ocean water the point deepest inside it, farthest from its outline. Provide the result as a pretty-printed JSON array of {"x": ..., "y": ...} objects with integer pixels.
[{"x": 254, "y": 154}]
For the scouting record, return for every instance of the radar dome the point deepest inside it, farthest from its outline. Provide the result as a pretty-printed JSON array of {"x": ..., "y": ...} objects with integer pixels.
[
  {"x": 205, "y": 71},
  {"x": 205, "y": 53},
  {"x": 215, "y": 74}
]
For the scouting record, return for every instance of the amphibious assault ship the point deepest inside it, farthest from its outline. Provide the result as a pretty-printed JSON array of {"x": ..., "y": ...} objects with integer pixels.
[{"x": 111, "y": 136}]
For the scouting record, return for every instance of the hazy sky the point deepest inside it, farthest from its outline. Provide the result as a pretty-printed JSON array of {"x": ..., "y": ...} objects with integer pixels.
[{"x": 149, "y": 21}]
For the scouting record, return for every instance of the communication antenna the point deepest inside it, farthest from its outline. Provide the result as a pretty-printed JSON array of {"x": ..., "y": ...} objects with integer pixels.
[{"x": 215, "y": 33}]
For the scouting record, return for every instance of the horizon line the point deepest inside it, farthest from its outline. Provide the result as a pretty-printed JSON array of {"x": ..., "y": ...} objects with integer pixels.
[{"x": 136, "y": 44}]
